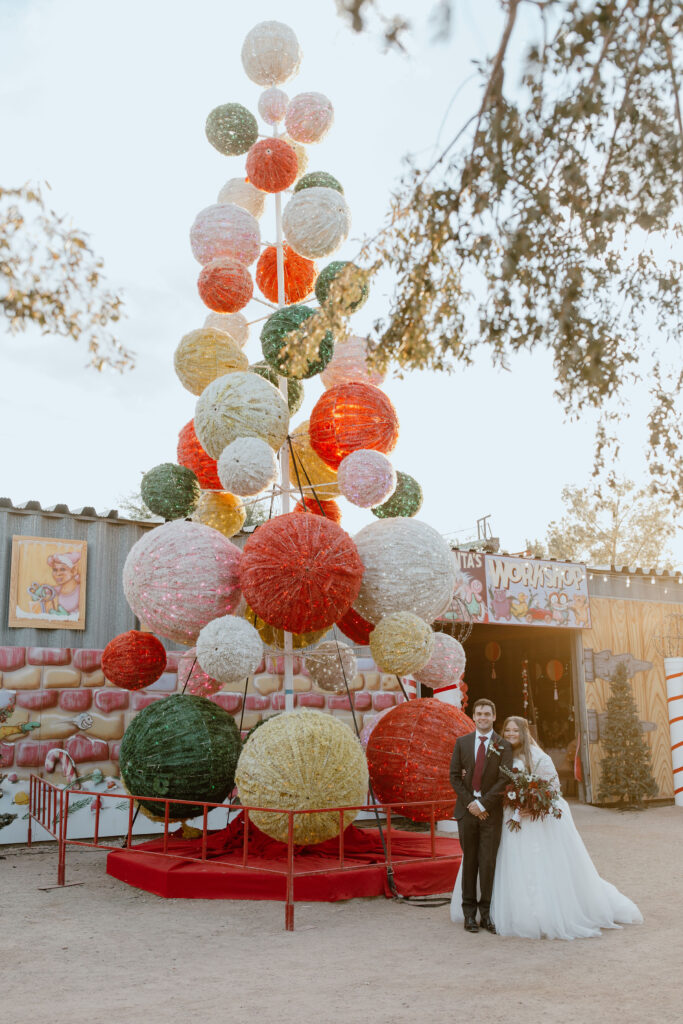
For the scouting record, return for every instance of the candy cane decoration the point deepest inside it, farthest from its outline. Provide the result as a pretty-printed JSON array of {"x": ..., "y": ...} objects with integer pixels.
[
  {"x": 451, "y": 694},
  {"x": 673, "y": 668},
  {"x": 55, "y": 757}
]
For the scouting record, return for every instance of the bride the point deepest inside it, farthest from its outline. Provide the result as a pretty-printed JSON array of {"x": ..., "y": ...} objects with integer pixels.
[{"x": 545, "y": 884}]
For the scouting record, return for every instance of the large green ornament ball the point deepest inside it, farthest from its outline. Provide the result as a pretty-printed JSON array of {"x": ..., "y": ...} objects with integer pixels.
[
  {"x": 358, "y": 291},
  {"x": 170, "y": 491},
  {"x": 181, "y": 747},
  {"x": 274, "y": 341},
  {"x": 295, "y": 389},
  {"x": 405, "y": 501},
  {"x": 318, "y": 179},
  {"x": 231, "y": 129}
]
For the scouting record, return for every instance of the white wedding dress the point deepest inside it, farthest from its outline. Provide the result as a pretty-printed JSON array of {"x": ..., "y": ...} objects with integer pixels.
[{"x": 546, "y": 885}]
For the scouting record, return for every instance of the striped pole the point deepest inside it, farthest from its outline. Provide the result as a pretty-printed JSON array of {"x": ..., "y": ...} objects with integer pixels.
[{"x": 673, "y": 668}]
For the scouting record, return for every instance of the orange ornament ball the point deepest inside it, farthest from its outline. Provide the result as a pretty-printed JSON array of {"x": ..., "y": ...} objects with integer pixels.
[
  {"x": 272, "y": 165},
  {"x": 134, "y": 660},
  {"x": 225, "y": 286},
  {"x": 328, "y": 509},
  {"x": 300, "y": 275},
  {"x": 349, "y": 417},
  {"x": 191, "y": 455}
]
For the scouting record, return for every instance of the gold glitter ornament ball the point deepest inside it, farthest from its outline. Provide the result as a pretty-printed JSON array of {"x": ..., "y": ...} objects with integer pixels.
[
  {"x": 307, "y": 470},
  {"x": 205, "y": 354},
  {"x": 401, "y": 643},
  {"x": 221, "y": 511},
  {"x": 240, "y": 405},
  {"x": 234, "y": 324},
  {"x": 274, "y": 639},
  {"x": 297, "y": 761},
  {"x": 332, "y": 665}
]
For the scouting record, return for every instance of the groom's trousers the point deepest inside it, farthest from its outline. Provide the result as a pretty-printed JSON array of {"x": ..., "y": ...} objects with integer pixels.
[{"x": 479, "y": 840}]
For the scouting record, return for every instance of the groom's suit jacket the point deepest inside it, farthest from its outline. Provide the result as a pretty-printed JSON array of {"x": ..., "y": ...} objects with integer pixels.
[{"x": 499, "y": 754}]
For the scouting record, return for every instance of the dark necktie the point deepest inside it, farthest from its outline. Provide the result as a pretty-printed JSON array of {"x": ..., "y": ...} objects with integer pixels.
[{"x": 479, "y": 765}]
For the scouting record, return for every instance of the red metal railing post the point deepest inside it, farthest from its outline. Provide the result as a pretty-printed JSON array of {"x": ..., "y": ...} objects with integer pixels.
[
  {"x": 129, "y": 837},
  {"x": 289, "y": 906},
  {"x": 31, "y": 808},
  {"x": 389, "y": 836},
  {"x": 166, "y": 828},
  {"x": 96, "y": 837},
  {"x": 341, "y": 839},
  {"x": 204, "y": 836},
  {"x": 432, "y": 832},
  {"x": 245, "y": 844},
  {"x": 63, "y": 815}
]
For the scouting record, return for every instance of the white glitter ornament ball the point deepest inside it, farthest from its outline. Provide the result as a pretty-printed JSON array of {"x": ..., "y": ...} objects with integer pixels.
[
  {"x": 349, "y": 363},
  {"x": 408, "y": 567},
  {"x": 272, "y": 105},
  {"x": 229, "y": 649},
  {"x": 247, "y": 466},
  {"x": 446, "y": 664},
  {"x": 332, "y": 665},
  {"x": 234, "y": 324},
  {"x": 225, "y": 231},
  {"x": 366, "y": 478},
  {"x": 271, "y": 53},
  {"x": 309, "y": 117},
  {"x": 316, "y": 221},
  {"x": 401, "y": 643},
  {"x": 242, "y": 193},
  {"x": 240, "y": 405}
]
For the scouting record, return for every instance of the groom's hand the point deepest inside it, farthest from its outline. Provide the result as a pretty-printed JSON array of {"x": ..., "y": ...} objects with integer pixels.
[{"x": 476, "y": 810}]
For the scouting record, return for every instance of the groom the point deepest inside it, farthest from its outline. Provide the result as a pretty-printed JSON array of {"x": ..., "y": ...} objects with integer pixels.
[{"x": 479, "y": 783}]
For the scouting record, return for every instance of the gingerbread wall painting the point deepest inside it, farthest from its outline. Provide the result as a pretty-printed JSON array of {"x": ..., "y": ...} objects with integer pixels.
[{"x": 47, "y": 583}]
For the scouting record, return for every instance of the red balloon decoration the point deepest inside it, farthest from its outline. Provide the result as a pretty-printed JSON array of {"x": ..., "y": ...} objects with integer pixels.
[
  {"x": 356, "y": 628},
  {"x": 192, "y": 456},
  {"x": 349, "y": 417},
  {"x": 409, "y": 755},
  {"x": 300, "y": 573},
  {"x": 327, "y": 508},
  {"x": 225, "y": 286},
  {"x": 272, "y": 165},
  {"x": 300, "y": 275},
  {"x": 134, "y": 660}
]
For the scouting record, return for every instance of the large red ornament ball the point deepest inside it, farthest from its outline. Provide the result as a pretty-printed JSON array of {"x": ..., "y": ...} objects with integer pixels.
[
  {"x": 272, "y": 165},
  {"x": 225, "y": 286},
  {"x": 300, "y": 573},
  {"x": 134, "y": 660},
  {"x": 409, "y": 755},
  {"x": 300, "y": 275},
  {"x": 192, "y": 456},
  {"x": 356, "y": 628},
  {"x": 327, "y": 508},
  {"x": 349, "y": 417}
]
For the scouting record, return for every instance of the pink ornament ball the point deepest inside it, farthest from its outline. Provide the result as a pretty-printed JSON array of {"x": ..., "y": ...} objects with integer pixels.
[
  {"x": 446, "y": 664},
  {"x": 366, "y": 478},
  {"x": 225, "y": 231},
  {"x": 180, "y": 576},
  {"x": 192, "y": 679},
  {"x": 350, "y": 363},
  {"x": 272, "y": 105},
  {"x": 309, "y": 117}
]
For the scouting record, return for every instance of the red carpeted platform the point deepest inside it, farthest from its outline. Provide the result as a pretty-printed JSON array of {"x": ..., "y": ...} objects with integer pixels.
[{"x": 222, "y": 877}]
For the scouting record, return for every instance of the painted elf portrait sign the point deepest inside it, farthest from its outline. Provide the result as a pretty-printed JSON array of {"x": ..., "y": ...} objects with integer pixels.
[{"x": 47, "y": 583}]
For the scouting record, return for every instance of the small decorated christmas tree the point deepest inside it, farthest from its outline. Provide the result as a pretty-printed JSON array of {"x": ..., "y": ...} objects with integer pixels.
[{"x": 626, "y": 771}]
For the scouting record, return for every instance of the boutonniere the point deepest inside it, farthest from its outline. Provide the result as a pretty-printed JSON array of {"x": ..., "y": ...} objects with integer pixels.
[{"x": 495, "y": 747}]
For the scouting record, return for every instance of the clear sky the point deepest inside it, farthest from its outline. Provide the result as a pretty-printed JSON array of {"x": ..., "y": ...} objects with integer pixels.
[{"x": 107, "y": 101}]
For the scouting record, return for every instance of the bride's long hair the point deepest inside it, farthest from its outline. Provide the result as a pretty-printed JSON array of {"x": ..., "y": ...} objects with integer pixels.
[{"x": 527, "y": 739}]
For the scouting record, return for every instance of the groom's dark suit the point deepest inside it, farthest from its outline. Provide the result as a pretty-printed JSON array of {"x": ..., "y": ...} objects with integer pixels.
[{"x": 479, "y": 838}]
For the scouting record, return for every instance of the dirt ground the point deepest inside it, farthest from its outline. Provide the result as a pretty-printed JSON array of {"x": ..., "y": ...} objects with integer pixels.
[{"x": 102, "y": 952}]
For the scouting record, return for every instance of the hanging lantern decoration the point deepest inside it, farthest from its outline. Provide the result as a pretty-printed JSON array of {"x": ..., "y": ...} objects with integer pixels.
[
  {"x": 205, "y": 354},
  {"x": 409, "y": 755},
  {"x": 240, "y": 405},
  {"x": 225, "y": 286},
  {"x": 401, "y": 643},
  {"x": 242, "y": 193},
  {"x": 366, "y": 478},
  {"x": 408, "y": 567},
  {"x": 350, "y": 363},
  {"x": 272, "y": 105},
  {"x": 276, "y": 336},
  {"x": 314, "y": 477},
  {"x": 405, "y": 501},
  {"x": 333, "y": 773},
  {"x": 300, "y": 573},
  {"x": 328, "y": 508},
  {"x": 274, "y": 638},
  {"x": 134, "y": 660},
  {"x": 192, "y": 679},
  {"x": 225, "y": 231},
  {"x": 355, "y": 289},
  {"x": 179, "y": 576},
  {"x": 192, "y": 456},
  {"x": 229, "y": 649},
  {"x": 271, "y": 54},
  {"x": 295, "y": 389},
  {"x": 247, "y": 466},
  {"x": 299, "y": 275},
  {"x": 221, "y": 511},
  {"x": 554, "y": 671},
  {"x": 318, "y": 179},
  {"x": 301, "y": 154},
  {"x": 309, "y": 117},
  {"x": 316, "y": 222},
  {"x": 492, "y": 653},
  {"x": 170, "y": 491},
  {"x": 349, "y": 417},
  {"x": 231, "y": 129},
  {"x": 332, "y": 666},
  {"x": 446, "y": 664},
  {"x": 355, "y": 627},
  {"x": 272, "y": 165},
  {"x": 234, "y": 324}
]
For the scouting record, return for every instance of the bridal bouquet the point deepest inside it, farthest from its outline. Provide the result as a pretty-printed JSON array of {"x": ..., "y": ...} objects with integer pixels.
[{"x": 529, "y": 796}]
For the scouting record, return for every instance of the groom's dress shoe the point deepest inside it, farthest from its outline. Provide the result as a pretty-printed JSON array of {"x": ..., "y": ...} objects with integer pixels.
[
  {"x": 471, "y": 924},
  {"x": 488, "y": 925}
]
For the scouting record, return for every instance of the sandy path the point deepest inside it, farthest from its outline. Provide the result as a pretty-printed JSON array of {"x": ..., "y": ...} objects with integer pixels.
[{"x": 102, "y": 952}]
